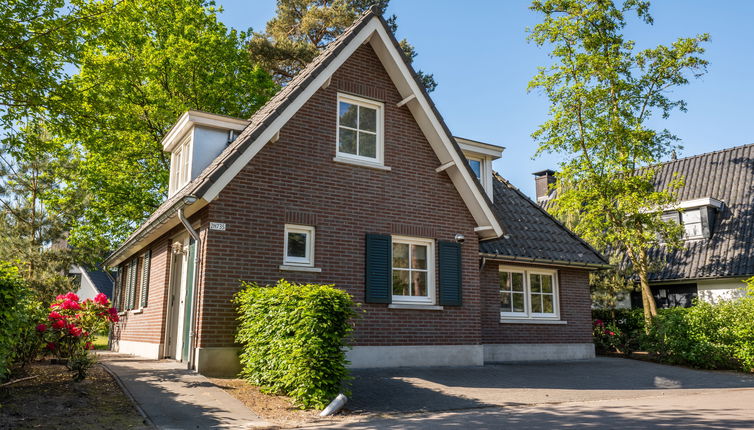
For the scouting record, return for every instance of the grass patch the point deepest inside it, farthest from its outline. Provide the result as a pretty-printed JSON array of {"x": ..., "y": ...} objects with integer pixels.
[{"x": 100, "y": 342}]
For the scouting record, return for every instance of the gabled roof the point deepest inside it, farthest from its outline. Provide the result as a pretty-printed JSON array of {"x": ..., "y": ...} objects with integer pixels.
[
  {"x": 728, "y": 176},
  {"x": 266, "y": 123},
  {"x": 533, "y": 235}
]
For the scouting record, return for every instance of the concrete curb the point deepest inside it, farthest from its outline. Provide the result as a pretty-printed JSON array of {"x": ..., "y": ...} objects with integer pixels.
[{"x": 147, "y": 420}]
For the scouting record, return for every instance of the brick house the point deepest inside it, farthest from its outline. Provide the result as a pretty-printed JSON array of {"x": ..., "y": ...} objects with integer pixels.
[{"x": 350, "y": 176}]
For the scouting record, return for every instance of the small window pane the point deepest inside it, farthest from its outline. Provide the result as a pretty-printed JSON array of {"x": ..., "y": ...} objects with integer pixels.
[
  {"x": 505, "y": 302},
  {"x": 400, "y": 282},
  {"x": 297, "y": 245},
  {"x": 367, "y": 145},
  {"x": 400, "y": 255},
  {"x": 347, "y": 141},
  {"x": 693, "y": 230},
  {"x": 535, "y": 283},
  {"x": 418, "y": 257},
  {"x": 367, "y": 119},
  {"x": 536, "y": 303},
  {"x": 476, "y": 167},
  {"x": 518, "y": 282},
  {"x": 348, "y": 114},
  {"x": 546, "y": 284},
  {"x": 547, "y": 304},
  {"x": 419, "y": 283},
  {"x": 692, "y": 216},
  {"x": 504, "y": 281},
  {"x": 518, "y": 302}
]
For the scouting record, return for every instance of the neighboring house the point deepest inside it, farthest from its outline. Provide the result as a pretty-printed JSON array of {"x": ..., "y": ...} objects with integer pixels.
[
  {"x": 90, "y": 282},
  {"x": 716, "y": 208},
  {"x": 350, "y": 176}
]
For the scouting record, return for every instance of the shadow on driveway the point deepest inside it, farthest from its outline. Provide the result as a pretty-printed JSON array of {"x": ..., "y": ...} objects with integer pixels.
[{"x": 458, "y": 388}]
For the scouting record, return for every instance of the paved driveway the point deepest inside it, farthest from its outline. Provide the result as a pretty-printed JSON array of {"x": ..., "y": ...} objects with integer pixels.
[{"x": 600, "y": 393}]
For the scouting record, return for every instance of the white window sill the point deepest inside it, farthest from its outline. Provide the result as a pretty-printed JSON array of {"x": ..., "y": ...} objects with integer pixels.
[
  {"x": 531, "y": 321},
  {"x": 415, "y": 306},
  {"x": 137, "y": 311},
  {"x": 288, "y": 268},
  {"x": 121, "y": 313},
  {"x": 361, "y": 163}
]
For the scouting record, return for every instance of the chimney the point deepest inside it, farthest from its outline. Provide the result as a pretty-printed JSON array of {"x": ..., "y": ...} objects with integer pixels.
[{"x": 543, "y": 180}]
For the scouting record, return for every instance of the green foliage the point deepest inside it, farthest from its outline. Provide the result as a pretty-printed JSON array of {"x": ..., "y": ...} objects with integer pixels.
[
  {"x": 302, "y": 28},
  {"x": 141, "y": 64},
  {"x": 293, "y": 339},
  {"x": 32, "y": 164},
  {"x": 714, "y": 336},
  {"x": 602, "y": 93},
  {"x": 15, "y": 318}
]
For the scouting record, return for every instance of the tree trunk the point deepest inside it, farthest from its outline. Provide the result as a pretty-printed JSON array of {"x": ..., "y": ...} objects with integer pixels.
[{"x": 650, "y": 308}]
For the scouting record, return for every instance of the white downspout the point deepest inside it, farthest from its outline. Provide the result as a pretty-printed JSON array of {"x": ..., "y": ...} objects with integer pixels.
[{"x": 194, "y": 304}]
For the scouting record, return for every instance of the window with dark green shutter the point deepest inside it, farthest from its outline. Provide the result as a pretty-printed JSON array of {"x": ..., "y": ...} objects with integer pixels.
[
  {"x": 378, "y": 268},
  {"x": 145, "y": 278},
  {"x": 450, "y": 273}
]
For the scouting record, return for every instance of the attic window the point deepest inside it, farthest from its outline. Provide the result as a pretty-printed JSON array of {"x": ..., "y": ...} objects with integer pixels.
[
  {"x": 697, "y": 221},
  {"x": 692, "y": 224},
  {"x": 359, "y": 129},
  {"x": 180, "y": 166}
]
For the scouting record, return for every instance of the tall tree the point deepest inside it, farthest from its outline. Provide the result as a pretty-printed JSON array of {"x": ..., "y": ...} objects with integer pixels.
[
  {"x": 36, "y": 38},
  {"x": 302, "y": 28},
  {"x": 32, "y": 224},
  {"x": 141, "y": 64},
  {"x": 602, "y": 92}
]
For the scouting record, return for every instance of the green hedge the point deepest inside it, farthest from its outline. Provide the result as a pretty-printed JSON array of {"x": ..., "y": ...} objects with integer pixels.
[
  {"x": 711, "y": 336},
  {"x": 706, "y": 335},
  {"x": 17, "y": 320},
  {"x": 293, "y": 339}
]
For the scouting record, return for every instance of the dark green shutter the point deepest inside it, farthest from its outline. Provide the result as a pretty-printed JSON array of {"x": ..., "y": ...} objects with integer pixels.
[
  {"x": 131, "y": 283},
  {"x": 145, "y": 278},
  {"x": 379, "y": 267},
  {"x": 118, "y": 289},
  {"x": 450, "y": 273}
]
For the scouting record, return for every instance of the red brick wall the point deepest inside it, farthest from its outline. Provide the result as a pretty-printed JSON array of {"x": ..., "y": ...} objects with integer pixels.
[
  {"x": 575, "y": 308},
  {"x": 149, "y": 324},
  {"x": 296, "y": 179}
]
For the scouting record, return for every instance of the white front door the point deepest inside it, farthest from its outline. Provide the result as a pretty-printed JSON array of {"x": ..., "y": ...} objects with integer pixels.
[{"x": 176, "y": 301}]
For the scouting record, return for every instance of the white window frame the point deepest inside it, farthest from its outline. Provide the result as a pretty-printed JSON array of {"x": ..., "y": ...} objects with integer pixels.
[
  {"x": 700, "y": 222},
  {"x": 308, "y": 260},
  {"x": 380, "y": 138},
  {"x": 482, "y": 166},
  {"x": 181, "y": 159},
  {"x": 528, "y": 314},
  {"x": 429, "y": 299}
]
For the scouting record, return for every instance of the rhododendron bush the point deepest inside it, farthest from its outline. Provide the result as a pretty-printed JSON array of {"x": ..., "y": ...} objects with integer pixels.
[{"x": 71, "y": 326}]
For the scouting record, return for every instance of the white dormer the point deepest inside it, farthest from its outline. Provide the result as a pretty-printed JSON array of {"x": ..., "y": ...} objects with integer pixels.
[
  {"x": 195, "y": 140},
  {"x": 480, "y": 156}
]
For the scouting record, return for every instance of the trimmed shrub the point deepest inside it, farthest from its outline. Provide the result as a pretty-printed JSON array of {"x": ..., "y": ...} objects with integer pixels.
[
  {"x": 293, "y": 339},
  {"x": 15, "y": 316}
]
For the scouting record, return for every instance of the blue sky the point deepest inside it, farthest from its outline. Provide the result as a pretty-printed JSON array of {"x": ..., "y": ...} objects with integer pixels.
[{"x": 478, "y": 53}]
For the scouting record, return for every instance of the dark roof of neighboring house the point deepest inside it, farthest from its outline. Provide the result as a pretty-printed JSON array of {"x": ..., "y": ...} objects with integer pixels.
[
  {"x": 532, "y": 234},
  {"x": 728, "y": 176},
  {"x": 101, "y": 282}
]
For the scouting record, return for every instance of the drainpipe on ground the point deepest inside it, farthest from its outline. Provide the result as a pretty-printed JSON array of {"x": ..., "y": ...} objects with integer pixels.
[{"x": 189, "y": 200}]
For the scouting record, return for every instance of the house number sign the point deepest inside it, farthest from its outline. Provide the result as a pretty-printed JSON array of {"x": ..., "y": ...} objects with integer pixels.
[{"x": 220, "y": 226}]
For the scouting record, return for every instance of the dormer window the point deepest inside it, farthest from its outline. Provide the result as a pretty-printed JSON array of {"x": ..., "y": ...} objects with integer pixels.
[
  {"x": 359, "y": 129},
  {"x": 479, "y": 156},
  {"x": 180, "y": 166},
  {"x": 696, "y": 216}
]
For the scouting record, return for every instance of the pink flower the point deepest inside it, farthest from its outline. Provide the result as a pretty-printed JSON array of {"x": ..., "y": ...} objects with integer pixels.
[
  {"x": 101, "y": 299},
  {"x": 58, "y": 324},
  {"x": 59, "y": 297},
  {"x": 54, "y": 315},
  {"x": 41, "y": 327},
  {"x": 70, "y": 304},
  {"x": 72, "y": 297},
  {"x": 75, "y": 331},
  {"x": 599, "y": 323},
  {"x": 89, "y": 345},
  {"x": 51, "y": 346}
]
